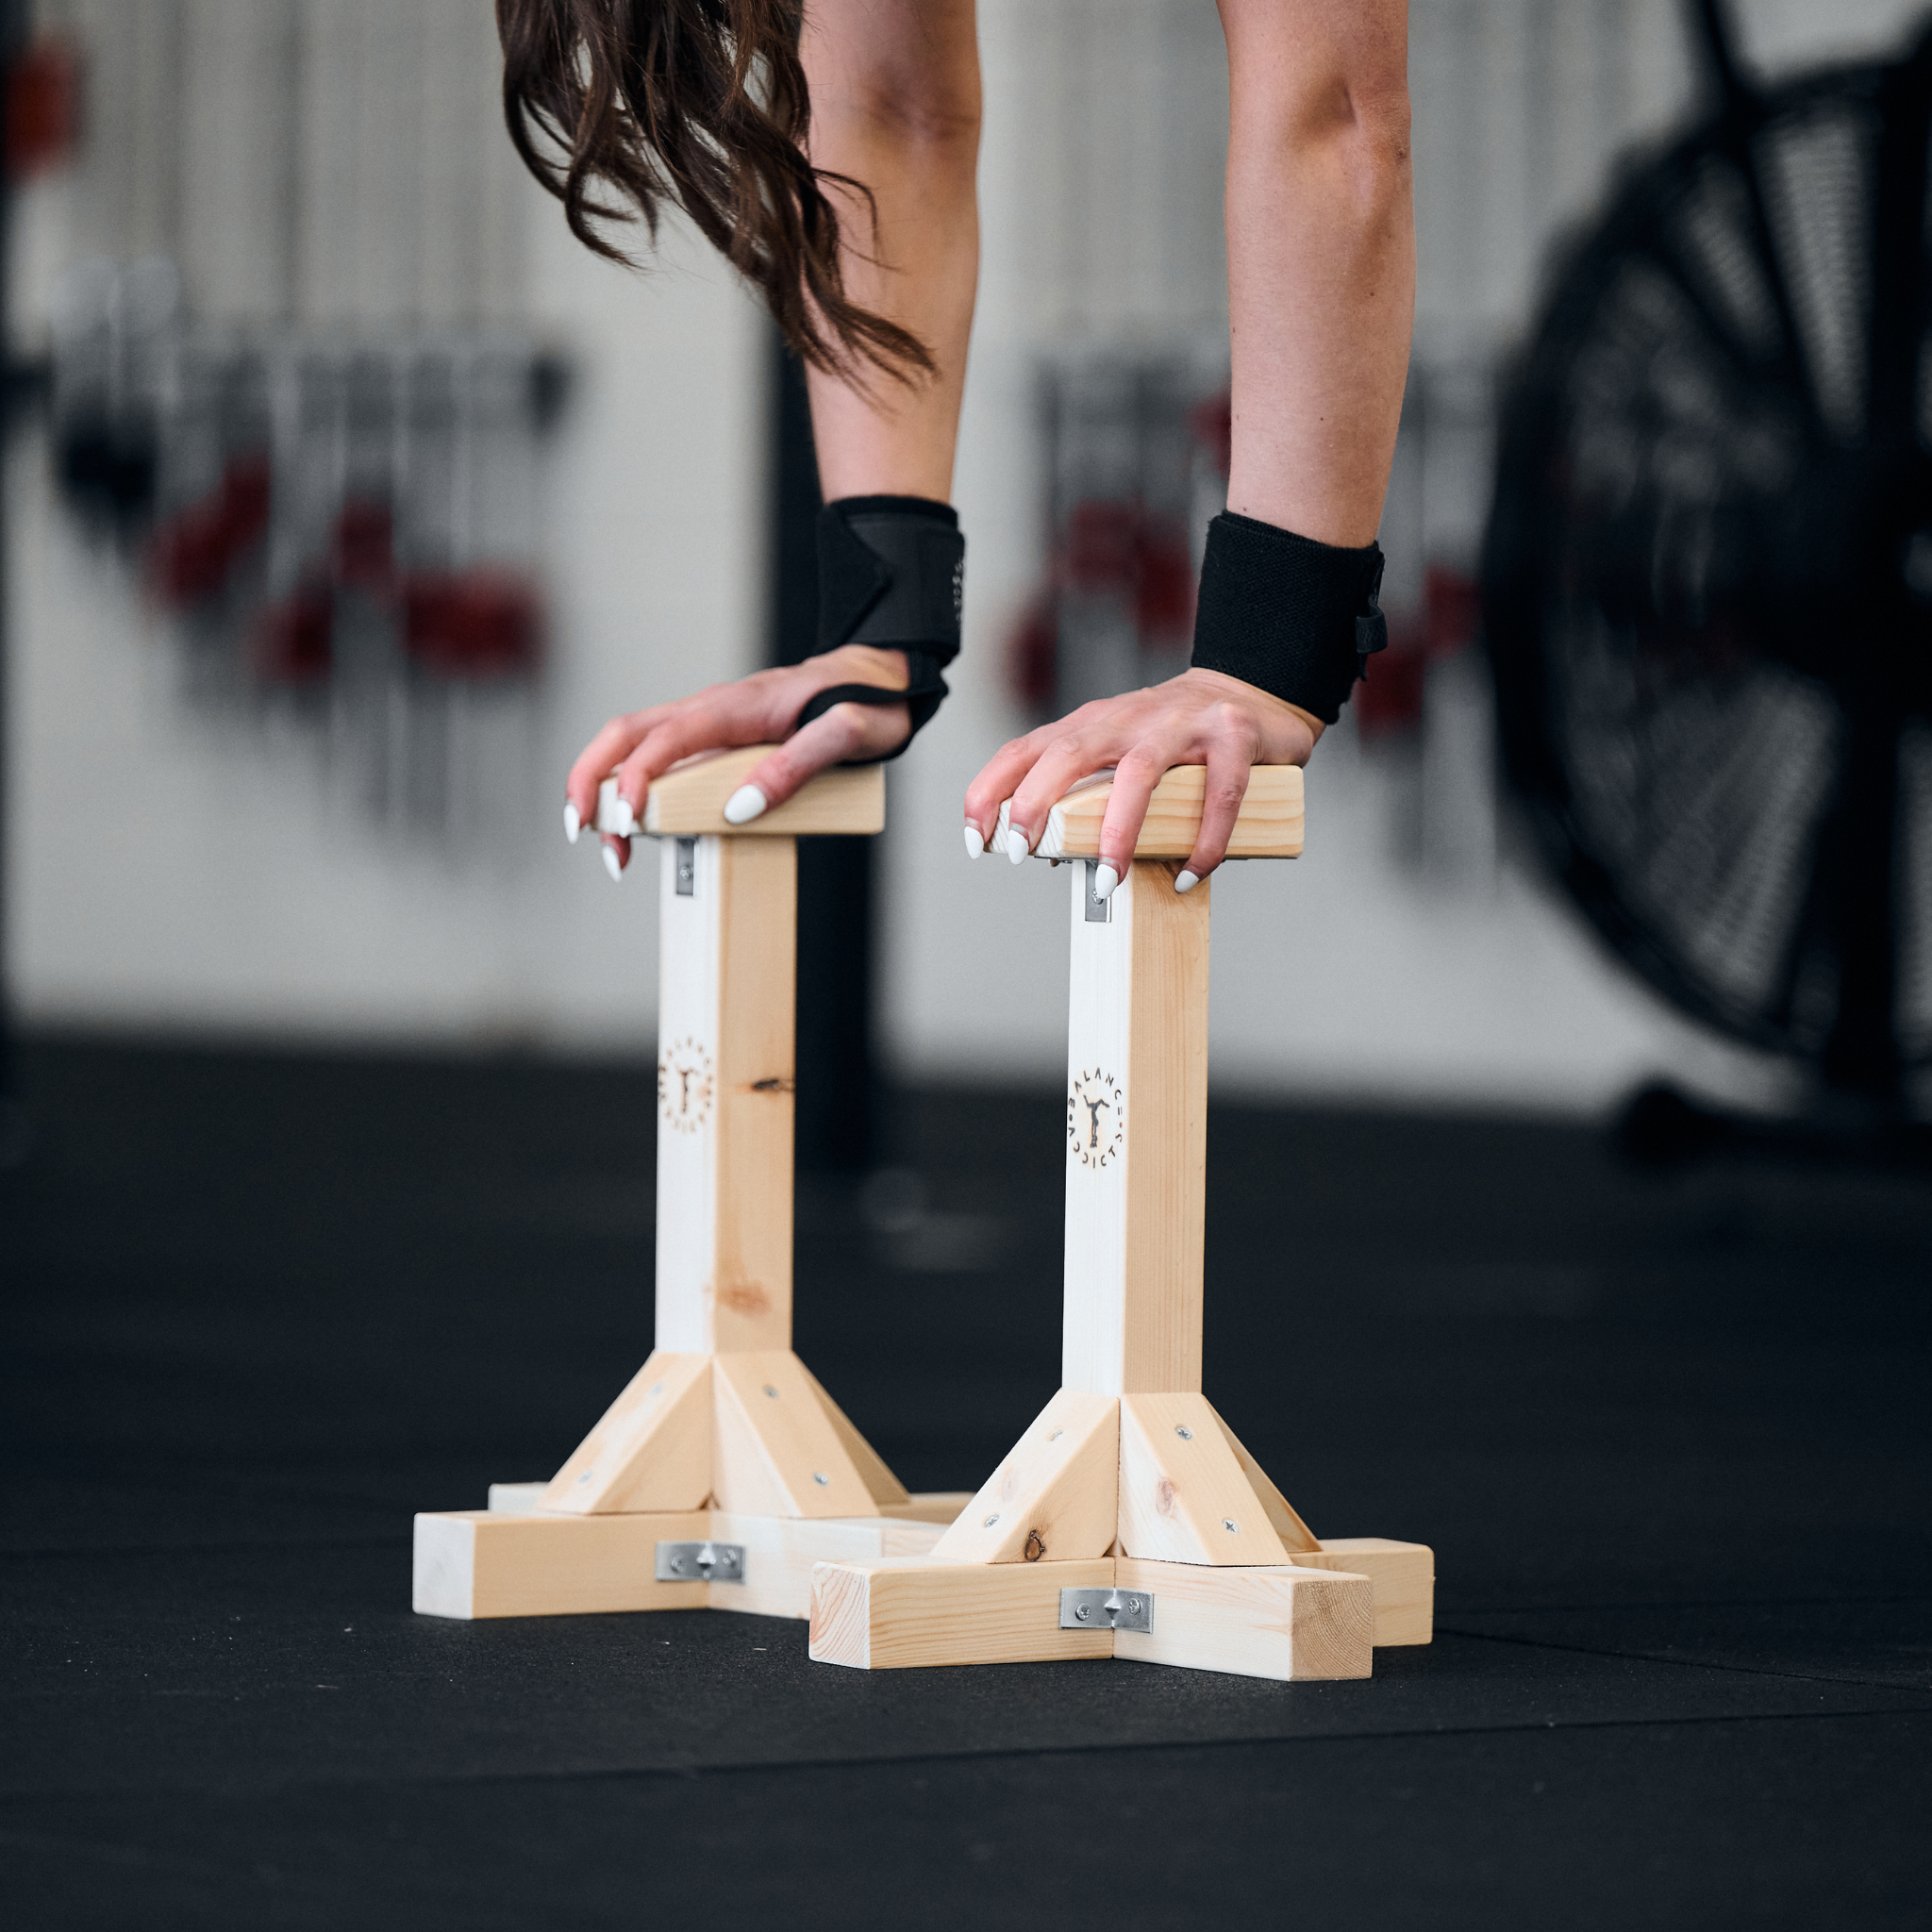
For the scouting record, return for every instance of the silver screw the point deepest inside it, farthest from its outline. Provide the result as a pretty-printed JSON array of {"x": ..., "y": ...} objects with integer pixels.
[
  {"x": 1229, "y": 1524},
  {"x": 824, "y": 1481},
  {"x": 1057, "y": 1435},
  {"x": 1083, "y": 1613},
  {"x": 585, "y": 1476},
  {"x": 1182, "y": 1431},
  {"x": 991, "y": 1520},
  {"x": 771, "y": 1391},
  {"x": 657, "y": 1388},
  {"x": 1134, "y": 1602}
]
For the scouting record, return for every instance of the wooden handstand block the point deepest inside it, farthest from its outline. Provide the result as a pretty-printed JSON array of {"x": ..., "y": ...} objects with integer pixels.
[
  {"x": 1268, "y": 826},
  {"x": 689, "y": 800}
]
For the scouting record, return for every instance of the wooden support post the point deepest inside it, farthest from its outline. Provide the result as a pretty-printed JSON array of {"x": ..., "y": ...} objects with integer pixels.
[
  {"x": 1136, "y": 1133},
  {"x": 727, "y": 901}
]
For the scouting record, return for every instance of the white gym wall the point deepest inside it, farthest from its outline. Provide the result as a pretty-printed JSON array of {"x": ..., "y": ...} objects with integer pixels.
[{"x": 202, "y": 875}]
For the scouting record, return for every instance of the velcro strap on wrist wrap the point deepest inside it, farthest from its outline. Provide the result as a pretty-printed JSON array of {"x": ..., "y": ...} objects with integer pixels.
[
  {"x": 891, "y": 574},
  {"x": 891, "y": 571},
  {"x": 1296, "y": 617}
]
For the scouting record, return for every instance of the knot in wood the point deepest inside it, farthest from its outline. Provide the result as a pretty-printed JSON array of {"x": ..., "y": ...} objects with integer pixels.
[{"x": 1035, "y": 1548}]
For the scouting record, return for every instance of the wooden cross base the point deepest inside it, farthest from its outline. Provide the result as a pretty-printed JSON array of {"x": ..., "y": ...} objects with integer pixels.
[{"x": 1151, "y": 1492}]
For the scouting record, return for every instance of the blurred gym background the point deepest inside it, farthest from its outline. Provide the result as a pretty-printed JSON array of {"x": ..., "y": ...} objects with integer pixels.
[{"x": 346, "y": 494}]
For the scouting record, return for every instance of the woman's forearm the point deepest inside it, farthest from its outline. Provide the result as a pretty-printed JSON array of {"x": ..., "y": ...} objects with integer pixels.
[
  {"x": 895, "y": 106},
  {"x": 1321, "y": 244}
]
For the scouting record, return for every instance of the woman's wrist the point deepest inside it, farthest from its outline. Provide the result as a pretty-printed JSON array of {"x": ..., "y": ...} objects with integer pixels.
[{"x": 861, "y": 664}]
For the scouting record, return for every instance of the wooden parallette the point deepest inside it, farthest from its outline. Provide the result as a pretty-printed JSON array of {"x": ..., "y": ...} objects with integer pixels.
[
  {"x": 1129, "y": 1465},
  {"x": 723, "y": 1436},
  {"x": 1269, "y": 825}
]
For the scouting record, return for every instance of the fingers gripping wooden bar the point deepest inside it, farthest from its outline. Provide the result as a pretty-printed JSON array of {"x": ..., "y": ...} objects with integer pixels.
[
  {"x": 688, "y": 801},
  {"x": 1269, "y": 825}
]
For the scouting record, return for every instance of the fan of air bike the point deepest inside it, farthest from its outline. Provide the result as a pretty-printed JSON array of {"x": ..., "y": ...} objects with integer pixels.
[{"x": 1708, "y": 584}]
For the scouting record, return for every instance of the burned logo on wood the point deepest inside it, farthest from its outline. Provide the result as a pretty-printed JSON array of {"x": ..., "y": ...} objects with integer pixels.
[
  {"x": 1097, "y": 1120},
  {"x": 684, "y": 1085}
]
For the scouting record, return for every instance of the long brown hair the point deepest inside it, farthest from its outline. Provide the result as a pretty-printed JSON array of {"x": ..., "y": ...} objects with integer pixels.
[{"x": 702, "y": 104}]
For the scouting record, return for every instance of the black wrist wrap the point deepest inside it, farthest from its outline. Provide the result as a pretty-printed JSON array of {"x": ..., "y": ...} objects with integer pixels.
[
  {"x": 891, "y": 574},
  {"x": 1297, "y": 618}
]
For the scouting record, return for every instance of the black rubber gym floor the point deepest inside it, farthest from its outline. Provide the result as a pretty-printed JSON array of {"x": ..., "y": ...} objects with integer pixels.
[{"x": 1668, "y": 1436}]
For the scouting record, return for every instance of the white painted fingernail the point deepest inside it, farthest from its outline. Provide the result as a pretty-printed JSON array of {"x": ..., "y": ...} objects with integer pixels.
[
  {"x": 975, "y": 845},
  {"x": 1187, "y": 881},
  {"x": 626, "y": 819},
  {"x": 1104, "y": 880},
  {"x": 614, "y": 865},
  {"x": 573, "y": 825},
  {"x": 744, "y": 805},
  {"x": 1016, "y": 844}
]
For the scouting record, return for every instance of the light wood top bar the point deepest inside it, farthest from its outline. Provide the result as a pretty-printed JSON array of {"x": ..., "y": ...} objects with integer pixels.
[
  {"x": 689, "y": 800},
  {"x": 1268, "y": 826}
]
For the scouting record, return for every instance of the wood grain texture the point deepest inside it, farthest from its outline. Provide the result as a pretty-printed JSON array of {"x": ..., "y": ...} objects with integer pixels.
[
  {"x": 1167, "y": 1131},
  {"x": 750, "y": 1292},
  {"x": 1055, "y": 1496},
  {"x": 782, "y": 1551},
  {"x": 1295, "y": 1534},
  {"x": 1285, "y": 1623},
  {"x": 1269, "y": 825},
  {"x": 1404, "y": 1577},
  {"x": 886, "y": 1491},
  {"x": 1183, "y": 1496},
  {"x": 774, "y": 1453},
  {"x": 899, "y": 1614},
  {"x": 474, "y": 1564},
  {"x": 650, "y": 1450},
  {"x": 689, "y": 800}
]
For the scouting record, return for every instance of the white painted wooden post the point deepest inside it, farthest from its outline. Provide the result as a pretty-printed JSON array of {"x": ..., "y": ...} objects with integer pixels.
[{"x": 1136, "y": 1133}]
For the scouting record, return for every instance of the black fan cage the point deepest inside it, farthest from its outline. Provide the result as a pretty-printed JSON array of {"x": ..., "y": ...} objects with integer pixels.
[{"x": 1707, "y": 577}]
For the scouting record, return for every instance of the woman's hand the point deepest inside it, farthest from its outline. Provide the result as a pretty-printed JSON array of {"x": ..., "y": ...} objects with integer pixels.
[
  {"x": 1199, "y": 718},
  {"x": 643, "y": 746}
]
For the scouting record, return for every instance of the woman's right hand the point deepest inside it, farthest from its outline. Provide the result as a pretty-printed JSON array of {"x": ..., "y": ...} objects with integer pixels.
[{"x": 641, "y": 745}]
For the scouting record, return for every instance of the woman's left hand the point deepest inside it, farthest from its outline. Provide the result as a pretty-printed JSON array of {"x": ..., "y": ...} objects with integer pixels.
[{"x": 1199, "y": 718}]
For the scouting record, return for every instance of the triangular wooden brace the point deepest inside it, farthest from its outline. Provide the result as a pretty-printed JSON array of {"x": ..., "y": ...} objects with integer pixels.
[
  {"x": 1184, "y": 1498},
  {"x": 651, "y": 1449},
  {"x": 886, "y": 1488},
  {"x": 1056, "y": 1494},
  {"x": 1296, "y": 1537},
  {"x": 773, "y": 1450}
]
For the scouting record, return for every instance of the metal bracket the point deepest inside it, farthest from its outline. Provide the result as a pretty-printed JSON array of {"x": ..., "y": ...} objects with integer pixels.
[
  {"x": 1099, "y": 911},
  {"x": 700, "y": 1562},
  {"x": 687, "y": 864},
  {"x": 1105, "y": 1610}
]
